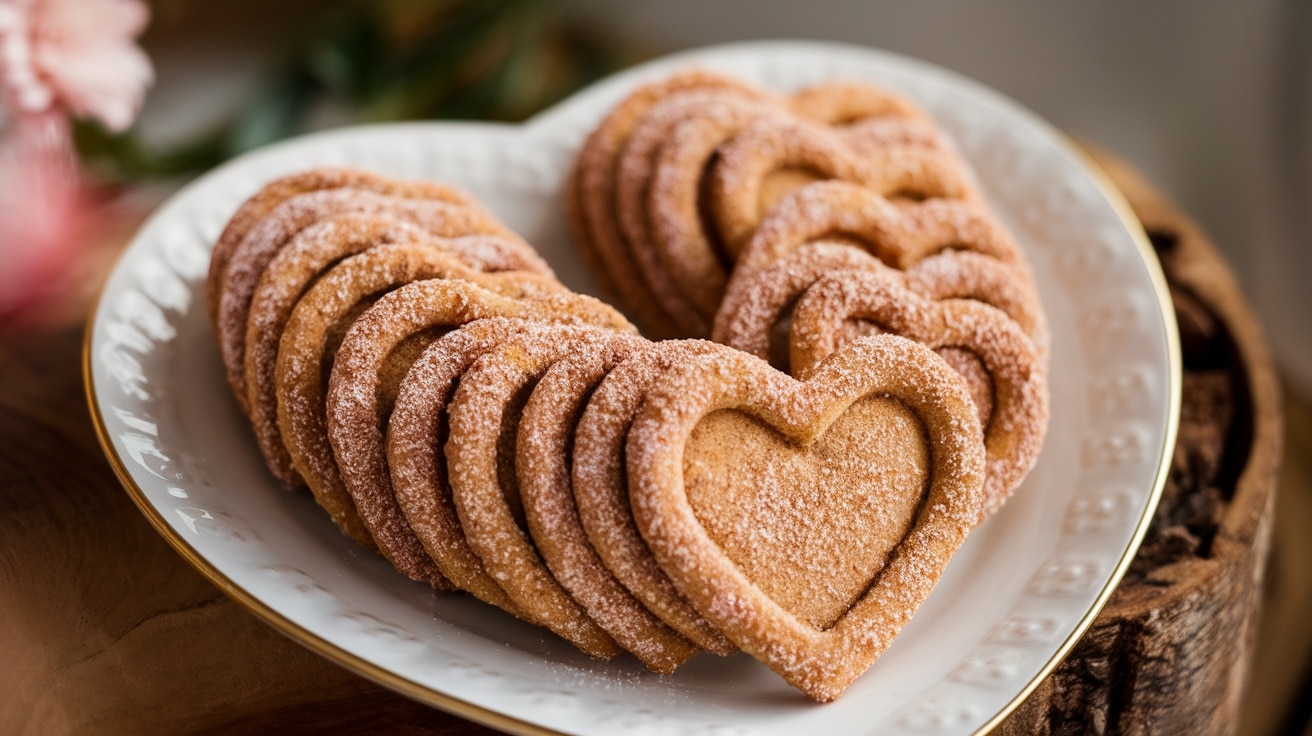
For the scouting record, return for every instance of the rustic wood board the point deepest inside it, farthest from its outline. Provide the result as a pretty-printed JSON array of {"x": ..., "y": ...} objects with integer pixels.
[
  {"x": 1174, "y": 646},
  {"x": 105, "y": 629}
]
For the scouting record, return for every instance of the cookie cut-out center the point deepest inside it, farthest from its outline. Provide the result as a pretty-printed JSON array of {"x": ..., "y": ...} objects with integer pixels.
[{"x": 811, "y": 526}]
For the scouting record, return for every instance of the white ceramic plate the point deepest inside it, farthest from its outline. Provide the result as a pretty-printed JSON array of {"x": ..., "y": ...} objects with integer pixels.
[{"x": 1012, "y": 602}]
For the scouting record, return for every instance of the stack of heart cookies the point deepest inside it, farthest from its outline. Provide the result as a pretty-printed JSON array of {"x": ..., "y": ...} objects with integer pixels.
[
  {"x": 448, "y": 403},
  {"x": 785, "y": 226}
]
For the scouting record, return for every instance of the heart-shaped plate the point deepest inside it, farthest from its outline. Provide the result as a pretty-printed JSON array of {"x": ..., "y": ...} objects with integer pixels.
[{"x": 1013, "y": 601}]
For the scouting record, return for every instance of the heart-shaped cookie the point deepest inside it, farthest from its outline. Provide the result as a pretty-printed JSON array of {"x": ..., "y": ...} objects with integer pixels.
[
  {"x": 706, "y": 192},
  {"x": 808, "y": 520},
  {"x": 900, "y": 234},
  {"x": 637, "y": 197},
  {"x": 741, "y": 191},
  {"x": 601, "y": 492},
  {"x": 752, "y": 315},
  {"x": 261, "y": 204},
  {"x": 317, "y": 325},
  {"x": 310, "y": 255},
  {"x": 999, "y": 362},
  {"x": 542, "y": 466},
  {"x": 377, "y": 350},
  {"x": 236, "y": 283}
]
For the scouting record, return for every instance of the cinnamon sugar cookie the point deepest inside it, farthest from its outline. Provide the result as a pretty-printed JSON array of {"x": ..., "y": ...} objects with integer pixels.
[
  {"x": 989, "y": 348},
  {"x": 367, "y": 370},
  {"x": 751, "y": 315},
  {"x": 635, "y": 169},
  {"x": 273, "y": 194},
  {"x": 673, "y": 132},
  {"x": 484, "y": 418},
  {"x": 807, "y": 520},
  {"x": 590, "y": 192},
  {"x": 416, "y": 438},
  {"x": 682, "y": 259},
  {"x": 601, "y": 488},
  {"x": 251, "y": 257},
  {"x": 295, "y": 268},
  {"x": 298, "y": 371},
  {"x": 900, "y": 234},
  {"x": 683, "y": 239},
  {"x": 742, "y": 191},
  {"x": 543, "y": 452},
  {"x": 309, "y": 344}
]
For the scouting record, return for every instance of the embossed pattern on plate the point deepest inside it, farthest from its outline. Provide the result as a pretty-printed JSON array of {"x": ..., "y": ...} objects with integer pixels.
[{"x": 1012, "y": 601}]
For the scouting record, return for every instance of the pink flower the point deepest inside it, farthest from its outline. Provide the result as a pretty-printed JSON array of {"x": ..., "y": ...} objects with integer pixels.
[
  {"x": 74, "y": 54},
  {"x": 42, "y": 214}
]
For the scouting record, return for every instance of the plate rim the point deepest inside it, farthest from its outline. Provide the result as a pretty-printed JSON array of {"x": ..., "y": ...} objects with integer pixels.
[{"x": 499, "y": 720}]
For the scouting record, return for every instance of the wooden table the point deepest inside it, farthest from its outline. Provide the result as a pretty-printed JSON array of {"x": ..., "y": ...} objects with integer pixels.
[{"x": 103, "y": 628}]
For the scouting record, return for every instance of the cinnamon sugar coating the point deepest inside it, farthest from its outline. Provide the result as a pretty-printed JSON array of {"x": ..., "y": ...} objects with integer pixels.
[
  {"x": 374, "y": 355},
  {"x": 807, "y": 520},
  {"x": 997, "y": 359},
  {"x": 668, "y": 187},
  {"x": 752, "y": 313},
  {"x": 261, "y": 204},
  {"x": 601, "y": 492},
  {"x": 484, "y": 416},
  {"x": 236, "y": 284},
  {"x": 306, "y": 257},
  {"x": 543, "y": 455},
  {"x": 416, "y": 441},
  {"x": 451, "y": 404}
]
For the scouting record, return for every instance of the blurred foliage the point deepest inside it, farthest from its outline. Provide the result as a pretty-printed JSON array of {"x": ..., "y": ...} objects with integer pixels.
[{"x": 382, "y": 61}]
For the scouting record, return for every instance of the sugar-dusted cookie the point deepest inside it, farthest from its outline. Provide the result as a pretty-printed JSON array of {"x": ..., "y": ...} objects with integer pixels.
[
  {"x": 590, "y": 192},
  {"x": 308, "y": 345},
  {"x": 484, "y": 416},
  {"x": 808, "y": 520},
  {"x": 416, "y": 455},
  {"x": 640, "y": 190},
  {"x": 716, "y": 115},
  {"x": 294, "y": 270},
  {"x": 248, "y": 261},
  {"x": 754, "y": 316},
  {"x": 543, "y": 451},
  {"x": 601, "y": 488},
  {"x": 988, "y": 349},
  {"x": 899, "y": 233},
  {"x": 273, "y": 194},
  {"x": 376, "y": 351},
  {"x": 741, "y": 188}
]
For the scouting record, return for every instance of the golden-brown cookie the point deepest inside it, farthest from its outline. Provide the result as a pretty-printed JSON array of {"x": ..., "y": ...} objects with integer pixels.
[
  {"x": 671, "y": 132},
  {"x": 900, "y": 234},
  {"x": 990, "y": 350},
  {"x": 416, "y": 438},
  {"x": 808, "y": 520},
  {"x": 601, "y": 488},
  {"x": 295, "y": 269},
  {"x": 754, "y": 316},
  {"x": 741, "y": 185},
  {"x": 273, "y": 194},
  {"x": 484, "y": 418},
  {"x": 647, "y": 164},
  {"x": 377, "y": 350},
  {"x": 251, "y": 257},
  {"x": 542, "y": 467}
]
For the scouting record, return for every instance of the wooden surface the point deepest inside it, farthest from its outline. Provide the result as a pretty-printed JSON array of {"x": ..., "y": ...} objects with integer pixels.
[
  {"x": 104, "y": 629},
  {"x": 1173, "y": 647}
]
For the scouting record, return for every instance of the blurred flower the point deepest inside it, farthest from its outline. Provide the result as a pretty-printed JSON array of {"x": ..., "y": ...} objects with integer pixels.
[
  {"x": 57, "y": 58},
  {"x": 78, "y": 55},
  {"x": 42, "y": 213}
]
